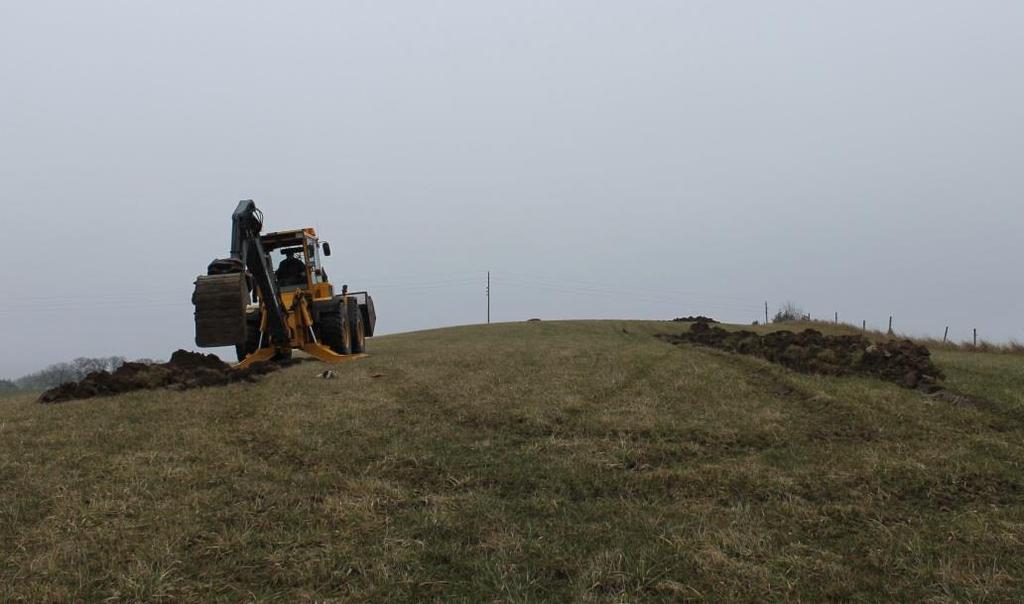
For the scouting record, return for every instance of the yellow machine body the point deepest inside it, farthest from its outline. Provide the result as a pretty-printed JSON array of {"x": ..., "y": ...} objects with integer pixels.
[
  {"x": 300, "y": 323},
  {"x": 298, "y": 303},
  {"x": 233, "y": 309}
]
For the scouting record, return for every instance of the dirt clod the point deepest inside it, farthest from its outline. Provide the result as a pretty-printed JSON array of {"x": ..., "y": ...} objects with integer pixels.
[
  {"x": 185, "y": 370},
  {"x": 809, "y": 351}
]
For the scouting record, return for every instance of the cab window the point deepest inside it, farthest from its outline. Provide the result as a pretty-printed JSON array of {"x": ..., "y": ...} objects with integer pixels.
[
  {"x": 290, "y": 263},
  {"x": 313, "y": 253}
]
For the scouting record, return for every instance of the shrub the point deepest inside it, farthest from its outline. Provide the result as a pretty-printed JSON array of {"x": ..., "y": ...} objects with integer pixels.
[{"x": 789, "y": 312}]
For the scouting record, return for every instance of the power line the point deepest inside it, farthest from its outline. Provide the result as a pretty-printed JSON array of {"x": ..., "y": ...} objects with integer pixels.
[
  {"x": 670, "y": 291},
  {"x": 663, "y": 298},
  {"x": 108, "y": 301}
]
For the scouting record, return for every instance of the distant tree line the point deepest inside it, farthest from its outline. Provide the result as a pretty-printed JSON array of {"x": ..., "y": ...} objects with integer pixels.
[{"x": 59, "y": 373}]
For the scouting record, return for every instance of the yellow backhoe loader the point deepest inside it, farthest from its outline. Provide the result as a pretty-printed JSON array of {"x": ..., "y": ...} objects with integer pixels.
[{"x": 266, "y": 312}]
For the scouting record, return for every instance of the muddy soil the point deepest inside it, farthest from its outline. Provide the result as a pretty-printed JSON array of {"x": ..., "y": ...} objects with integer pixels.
[
  {"x": 900, "y": 361},
  {"x": 185, "y": 370}
]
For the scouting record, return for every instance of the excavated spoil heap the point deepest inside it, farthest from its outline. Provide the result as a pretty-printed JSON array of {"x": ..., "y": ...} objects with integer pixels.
[
  {"x": 809, "y": 351},
  {"x": 185, "y": 370},
  {"x": 694, "y": 319}
]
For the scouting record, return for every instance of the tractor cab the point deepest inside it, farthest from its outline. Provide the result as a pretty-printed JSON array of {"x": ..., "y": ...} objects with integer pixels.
[{"x": 295, "y": 257}]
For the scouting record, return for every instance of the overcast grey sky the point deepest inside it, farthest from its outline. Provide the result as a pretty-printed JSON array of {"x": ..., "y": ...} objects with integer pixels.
[{"x": 605, "y": 159}]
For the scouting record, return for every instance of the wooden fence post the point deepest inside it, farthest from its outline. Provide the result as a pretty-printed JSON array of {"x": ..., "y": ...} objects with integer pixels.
[
  {"x": 945, "y": 335},
  {"x": 890, "y": 325}
]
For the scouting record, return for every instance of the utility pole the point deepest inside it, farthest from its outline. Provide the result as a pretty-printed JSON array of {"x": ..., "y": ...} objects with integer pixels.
[
  {"x": 488, "y": 297},
  {"x": 765, "y": 312}
]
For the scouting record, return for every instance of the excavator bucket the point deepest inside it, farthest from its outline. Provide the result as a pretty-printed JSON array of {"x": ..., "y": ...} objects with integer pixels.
[{"x": 220, "y": 302}]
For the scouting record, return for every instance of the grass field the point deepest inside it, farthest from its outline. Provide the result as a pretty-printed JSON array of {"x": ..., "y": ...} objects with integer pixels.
[{"x": 575, "y": 461}]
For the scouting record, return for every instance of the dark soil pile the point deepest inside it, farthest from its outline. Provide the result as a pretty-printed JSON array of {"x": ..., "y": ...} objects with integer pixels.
[
  {"x": 900, "y": 361},
  {"x": 185, "y": 370},
  {"x": 697, "y": 319}
]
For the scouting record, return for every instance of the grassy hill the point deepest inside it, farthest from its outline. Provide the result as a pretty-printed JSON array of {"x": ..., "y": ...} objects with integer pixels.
[{"x": 568, "y": 461}]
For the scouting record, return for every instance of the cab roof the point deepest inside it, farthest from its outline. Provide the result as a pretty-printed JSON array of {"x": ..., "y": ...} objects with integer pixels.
[{"x": 282, "y": 238}]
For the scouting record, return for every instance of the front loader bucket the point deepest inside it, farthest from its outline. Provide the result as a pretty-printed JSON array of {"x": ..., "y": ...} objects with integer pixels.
[{"x": 220, "y": 302}]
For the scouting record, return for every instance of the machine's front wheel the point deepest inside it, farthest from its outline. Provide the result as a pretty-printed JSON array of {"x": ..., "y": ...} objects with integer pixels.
[
  {"x": 252, "y": 337},
  {"x": 335, "y": 332}
]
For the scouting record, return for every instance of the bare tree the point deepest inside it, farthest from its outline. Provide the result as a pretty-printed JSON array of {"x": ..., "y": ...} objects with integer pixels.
[
  {"x": 790, "y": 311},
  {"x": 59, "y": 373}
]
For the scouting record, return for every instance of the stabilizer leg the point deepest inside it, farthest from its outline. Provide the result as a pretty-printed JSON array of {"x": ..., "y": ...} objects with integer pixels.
[
  {"x": 263, "y": 354},
  {"x": 327, "y": 355}
]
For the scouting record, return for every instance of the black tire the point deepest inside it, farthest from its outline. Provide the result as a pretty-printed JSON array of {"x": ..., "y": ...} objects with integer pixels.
[
  {"x": 334, "y": 329},
  {"x": 357, "y": 327},
  {"x": 252, "y": 337}
]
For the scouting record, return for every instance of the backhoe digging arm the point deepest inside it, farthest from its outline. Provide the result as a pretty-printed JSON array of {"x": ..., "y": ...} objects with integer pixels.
[{"x": 246, "y": 224}]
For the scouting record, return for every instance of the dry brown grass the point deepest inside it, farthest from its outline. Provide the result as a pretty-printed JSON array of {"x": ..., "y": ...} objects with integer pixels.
[{"x": 582, "y": 461}]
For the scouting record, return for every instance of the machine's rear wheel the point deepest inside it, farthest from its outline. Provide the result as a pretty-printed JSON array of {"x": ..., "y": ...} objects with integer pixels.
[
  {"x": 358, "y": 329},
  {"x": 335, "y": 332}
]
